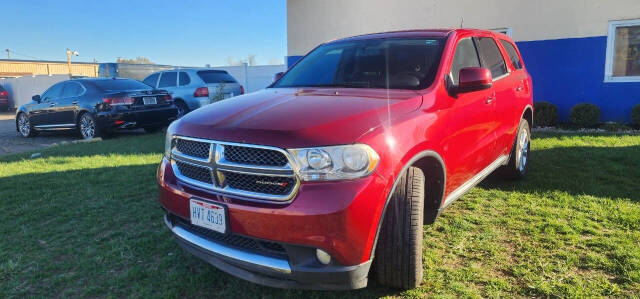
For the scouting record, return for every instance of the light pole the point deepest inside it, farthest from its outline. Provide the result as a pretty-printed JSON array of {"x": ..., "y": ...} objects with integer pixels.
[{"x": 69, "y": 53}]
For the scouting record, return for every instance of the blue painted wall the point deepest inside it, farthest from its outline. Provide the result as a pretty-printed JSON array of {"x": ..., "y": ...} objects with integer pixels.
[{"x": 569, "y": 71}]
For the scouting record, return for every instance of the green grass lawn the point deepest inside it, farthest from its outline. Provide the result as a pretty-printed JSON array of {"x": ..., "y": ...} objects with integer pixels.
[{"x": 83, "y": 220}]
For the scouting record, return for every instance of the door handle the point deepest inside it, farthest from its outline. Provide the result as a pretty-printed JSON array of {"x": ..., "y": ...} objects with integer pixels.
[
  {"x": 52, "y": 104},
  {"x": 490, "y": 99},
  {"x": 75, "y": 103}
]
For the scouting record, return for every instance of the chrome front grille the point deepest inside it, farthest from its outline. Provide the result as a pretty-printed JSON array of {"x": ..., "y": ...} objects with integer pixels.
[
  {"x": 254, "y": 156},
  {"x": 193, "y": 148},
  {"x": 253, "y": 172},
  {"x": 198, "y": 173},
  {"x": 259, "y": 183}
]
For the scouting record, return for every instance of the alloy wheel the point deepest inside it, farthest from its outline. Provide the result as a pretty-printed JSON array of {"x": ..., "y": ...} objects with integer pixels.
[
  {"x": 23, "y": 125},
  {"x": 87, "y": 127},
  {"x": 523, "y": 153}
]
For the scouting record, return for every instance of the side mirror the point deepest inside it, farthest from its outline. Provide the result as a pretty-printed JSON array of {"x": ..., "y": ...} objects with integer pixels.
[
  {"x": 36, "y": 98},
  {"x": 474, "y": 79},
  {"x": 278, "y": 76}
]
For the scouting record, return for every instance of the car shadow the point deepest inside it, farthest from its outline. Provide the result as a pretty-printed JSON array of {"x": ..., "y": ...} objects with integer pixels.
[{"x": 612, "y": 172}]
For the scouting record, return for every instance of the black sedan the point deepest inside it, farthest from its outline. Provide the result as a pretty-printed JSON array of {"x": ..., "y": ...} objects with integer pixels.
[{"x": 96, "y": 107}]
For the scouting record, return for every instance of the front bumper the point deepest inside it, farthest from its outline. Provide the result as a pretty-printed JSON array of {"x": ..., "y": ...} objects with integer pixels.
[
  {"x": 340, "y": 218},
  {"x": 130, "y": 119},
  {"x": 269, "y": 270}
]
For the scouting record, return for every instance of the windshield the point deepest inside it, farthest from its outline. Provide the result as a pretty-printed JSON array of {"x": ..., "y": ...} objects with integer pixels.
[
  {"x": 378, "y": 63},
  {"x": 120, "y": 85}
]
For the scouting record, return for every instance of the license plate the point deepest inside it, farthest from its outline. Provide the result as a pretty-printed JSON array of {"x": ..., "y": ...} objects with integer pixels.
[
  {"x": 149, "y": 100},
  {"x": 208, "y": 215}
]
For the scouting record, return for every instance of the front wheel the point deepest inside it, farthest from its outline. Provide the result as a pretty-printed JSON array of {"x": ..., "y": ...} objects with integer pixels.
[
  {"x": 519, "y": 158},
  {"x": 24, "y": 126},
  {"x": 88, "y": 127},
  {"x": 398, "y": 258}
]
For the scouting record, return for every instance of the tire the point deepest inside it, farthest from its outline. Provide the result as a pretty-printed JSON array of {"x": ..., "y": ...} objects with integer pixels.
[
  {"x": 398, "y": 259},
  {"x": 152, "y": 129},
  {"x": 518, "y": 165},
  {"x": 182, "y": 109},
  {"x": 88, "y": 127},
  {"x": 24, "y": 126}
]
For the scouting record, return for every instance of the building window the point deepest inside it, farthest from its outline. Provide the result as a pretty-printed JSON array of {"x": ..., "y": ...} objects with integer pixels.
[
  {"x": 623, "y": 52},
  {"x": 506, "y": 31}
]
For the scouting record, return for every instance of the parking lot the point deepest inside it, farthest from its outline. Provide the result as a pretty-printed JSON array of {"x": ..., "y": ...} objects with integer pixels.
[{"x": 13, "y": 143}]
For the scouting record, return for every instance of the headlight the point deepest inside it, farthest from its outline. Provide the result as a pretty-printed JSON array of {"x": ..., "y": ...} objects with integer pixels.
[
  {"x": 168, "y": 140},
  {"x": 335, "y": 162}
]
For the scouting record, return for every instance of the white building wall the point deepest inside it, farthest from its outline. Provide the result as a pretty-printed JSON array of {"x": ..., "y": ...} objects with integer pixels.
[
  {"x": 254, "y": 77},
  {"x": 311, "y": 22}
]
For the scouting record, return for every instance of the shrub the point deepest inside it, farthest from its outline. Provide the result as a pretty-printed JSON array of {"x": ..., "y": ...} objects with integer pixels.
[
  {"x": 614, "y": 127},
  {"x": 545, "y": 114},
  {"x": 635, "y": 115},
  {"x": 585, "y": 115}
]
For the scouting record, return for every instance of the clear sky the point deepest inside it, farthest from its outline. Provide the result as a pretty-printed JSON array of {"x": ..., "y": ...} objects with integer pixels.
[{"x": 178, "y": 32}]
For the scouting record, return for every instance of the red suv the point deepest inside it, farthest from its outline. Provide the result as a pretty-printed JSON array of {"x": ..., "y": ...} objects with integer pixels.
[{"x": 327, "y": 176}]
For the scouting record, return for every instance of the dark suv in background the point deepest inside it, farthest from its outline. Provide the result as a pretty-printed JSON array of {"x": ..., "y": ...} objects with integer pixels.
[{"x": 95, "y": 107}]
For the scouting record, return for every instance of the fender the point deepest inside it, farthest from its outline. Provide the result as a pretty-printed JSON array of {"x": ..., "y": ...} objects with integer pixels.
[{"x": 418, "y": 156}]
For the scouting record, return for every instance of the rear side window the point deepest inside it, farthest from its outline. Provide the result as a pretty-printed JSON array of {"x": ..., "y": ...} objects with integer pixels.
[
  {"x": 491, "y": 56},
  {"x": 183, "y": 79},
  {"x": 466, "y": 55},
  {"x": 513, "y": 54},
  {"x": 216, "y": 77},
  {"x": 168, "y": 79},
  {"x": 152, "y": 80},
  {"x": 71, "y": 89},
  {"x": 120, "y": 85},
  {"x": 53, "y": 92}
]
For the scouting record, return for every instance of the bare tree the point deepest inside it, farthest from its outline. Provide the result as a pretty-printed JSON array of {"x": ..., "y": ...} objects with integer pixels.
[
  {"x": 138, "y": 60},
  {"x": 250, "y": 60}
]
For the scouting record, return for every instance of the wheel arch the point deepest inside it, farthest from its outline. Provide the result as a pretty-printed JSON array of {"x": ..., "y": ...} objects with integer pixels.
[
  {"x": 527, "y": 114},
  {"x": 430, "y": 162}
]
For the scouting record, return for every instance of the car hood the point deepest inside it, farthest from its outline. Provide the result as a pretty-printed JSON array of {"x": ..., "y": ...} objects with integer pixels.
[{"x": 291, "y": 118}]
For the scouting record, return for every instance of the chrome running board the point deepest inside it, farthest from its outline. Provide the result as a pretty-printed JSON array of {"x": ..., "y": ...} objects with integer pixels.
[
  {"x": 229, "y": 253},
  {"x": 474, "y": 181}
]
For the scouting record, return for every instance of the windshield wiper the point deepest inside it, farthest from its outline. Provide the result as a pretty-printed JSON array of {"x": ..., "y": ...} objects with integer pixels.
[{"x": 343, "y": 84}]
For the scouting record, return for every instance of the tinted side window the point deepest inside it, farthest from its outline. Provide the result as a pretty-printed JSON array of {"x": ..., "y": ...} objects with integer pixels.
[
  {"x": 71, "y": 89},
  {"x": 491, "y": 56},
  {"x": 513, "y": 54},
  {"x": 466, "y": 55},
  {"x": 184, "y": 79},
  {"x": 168, "y": 79},
  {"x": 53, "y": 92},
  {"x": 152, "y": 80}
]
